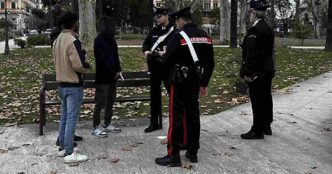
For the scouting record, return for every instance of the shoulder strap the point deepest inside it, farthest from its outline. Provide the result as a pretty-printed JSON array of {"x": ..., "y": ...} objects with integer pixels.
[
  {"x": 161, "y": 39},
  {"x": 190, "y": 45}
]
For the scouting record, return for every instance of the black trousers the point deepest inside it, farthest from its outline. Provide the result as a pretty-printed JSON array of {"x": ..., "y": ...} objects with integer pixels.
[
  {"x": 261, "y": 102},
  {"x": 105, "y": 96},
  {"x": 158, "y": 75},
  {"x": 184, "y": 121}
]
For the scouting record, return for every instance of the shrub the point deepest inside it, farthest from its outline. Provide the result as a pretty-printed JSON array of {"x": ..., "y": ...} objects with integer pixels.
[
  {"x": 301, "y": 31},
  {"x": 21, "y": 43},
  {"x": 38, "y": 40}
]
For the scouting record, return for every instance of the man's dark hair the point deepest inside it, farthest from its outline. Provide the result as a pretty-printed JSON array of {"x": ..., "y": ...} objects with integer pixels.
[{"x": 68, "y": 20}]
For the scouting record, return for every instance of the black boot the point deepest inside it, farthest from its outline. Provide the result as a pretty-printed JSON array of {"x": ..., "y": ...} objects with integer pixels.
[
  {"x": 192, "y": 157},
  {"x": 267, "y": 130},
  {"x": 152, "y": 128},
  {"x": 171, "y": 161},
  {"x": 251, "y": 135}
]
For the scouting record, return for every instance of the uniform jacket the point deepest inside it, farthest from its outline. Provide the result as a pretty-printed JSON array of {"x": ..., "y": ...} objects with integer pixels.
[
  {"x": 107, "y": 58},
  {"x": 69, "y": 59},
  {"x": 153, "y": 37},
  {"x": 257, "y": 51},
  {"x": 178, "y": 51}
]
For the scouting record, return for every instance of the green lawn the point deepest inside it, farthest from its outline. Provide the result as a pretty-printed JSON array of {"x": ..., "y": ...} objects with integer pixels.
[{"x": 21, "y": 78}]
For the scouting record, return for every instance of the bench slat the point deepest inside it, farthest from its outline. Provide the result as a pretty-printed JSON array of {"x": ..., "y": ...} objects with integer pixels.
[{"x": 91, "y": 100}]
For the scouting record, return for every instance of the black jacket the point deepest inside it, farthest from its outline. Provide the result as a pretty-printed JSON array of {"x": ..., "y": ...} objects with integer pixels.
[
  {"x": 107, "y": 58},
  {"x": 178, "y": 51},
  {"x": 257, "y": 51}
]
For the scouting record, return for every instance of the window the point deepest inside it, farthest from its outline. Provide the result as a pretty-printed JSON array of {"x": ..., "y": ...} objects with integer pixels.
[
  {"x": 215, "y": 5},
  {"x": 13, "y": 5},
  {"x": 158, "y": 4},
  {"x": 207, "y": 6},
  {"x": 2, "y": 5}
]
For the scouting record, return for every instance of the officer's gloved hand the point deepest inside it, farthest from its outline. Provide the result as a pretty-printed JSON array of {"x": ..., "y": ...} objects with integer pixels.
[{"x": 147, "y": 54}]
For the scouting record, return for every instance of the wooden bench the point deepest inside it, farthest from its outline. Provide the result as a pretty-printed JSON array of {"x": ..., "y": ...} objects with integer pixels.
[{"x": 131, "y": 79}]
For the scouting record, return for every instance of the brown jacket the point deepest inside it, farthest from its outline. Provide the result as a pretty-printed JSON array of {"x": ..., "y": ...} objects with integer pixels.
[{"x": 69, "y": 58}]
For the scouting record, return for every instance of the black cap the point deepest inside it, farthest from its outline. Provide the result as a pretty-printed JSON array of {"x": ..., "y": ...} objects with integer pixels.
[
  {"x": 160, "y": 11},
  {"x": 185, "y": 12},
  {"x": 259, "y": 5}
]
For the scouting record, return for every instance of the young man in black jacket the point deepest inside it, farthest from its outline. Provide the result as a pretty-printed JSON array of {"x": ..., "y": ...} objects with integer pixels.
[{"x": 107, "y": 71}]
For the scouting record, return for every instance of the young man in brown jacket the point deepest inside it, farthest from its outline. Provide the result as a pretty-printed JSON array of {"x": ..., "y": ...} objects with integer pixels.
[{"x": 69, "y": 60}]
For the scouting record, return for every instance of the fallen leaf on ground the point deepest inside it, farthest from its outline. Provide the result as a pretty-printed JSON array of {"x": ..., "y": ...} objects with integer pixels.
[
  {"x": 101, "y": 157},
  {"x": 215, "y": 153},
  {"x": 2, "y": 151},
  {"x": 326, "y": 129},
  {"x": 164, "y": 141},
  {"x": 233, "y": 147},
  {"x": 134, "y": 145},
  {"x": 74, "y": 164},
  {"x": 228, "y": 154},
  {"x": 114, "y": 160},
  {"x": 187, "y": 166},
  {"x": 51, "y": 172},
  {"x": 127, "y": 149},
  {"x": 12, "y": 148}
]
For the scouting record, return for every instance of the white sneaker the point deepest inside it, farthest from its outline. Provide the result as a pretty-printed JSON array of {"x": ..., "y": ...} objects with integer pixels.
[
  {"x": 62, "y": 153},
  {"x": 111, "y": 128},
  {"x": 99, "y": 132},
  {"x": 75, "y": 158}
]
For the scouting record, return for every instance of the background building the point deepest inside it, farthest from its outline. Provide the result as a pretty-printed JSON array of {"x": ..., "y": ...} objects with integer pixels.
[{"x": 18, "y": 11}]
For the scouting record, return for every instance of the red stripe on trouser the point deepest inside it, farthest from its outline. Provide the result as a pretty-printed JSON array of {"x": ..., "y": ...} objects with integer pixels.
[
  {"x": 170, "y": 129},
  {"x": 184, "y": 123}
]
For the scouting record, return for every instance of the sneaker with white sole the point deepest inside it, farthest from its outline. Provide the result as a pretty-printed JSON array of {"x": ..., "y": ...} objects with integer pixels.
[
  {"x": 75, "y": 158},
  {"x": 99, "y": 132},
  {"x": 111, "y": 128},
  {"x": 62, "y": 152}
]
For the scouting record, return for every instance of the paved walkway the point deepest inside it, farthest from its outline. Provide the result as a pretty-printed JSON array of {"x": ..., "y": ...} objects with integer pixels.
[{"x": 301, "y": 142}]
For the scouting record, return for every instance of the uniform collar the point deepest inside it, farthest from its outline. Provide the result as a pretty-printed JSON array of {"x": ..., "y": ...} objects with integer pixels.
[{"x": 190, "y": 24}]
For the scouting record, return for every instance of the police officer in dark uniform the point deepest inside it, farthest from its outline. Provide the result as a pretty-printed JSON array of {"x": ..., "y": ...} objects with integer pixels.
[
  {"x": 155, "y": 42},
  {"x": 189, "y": 56},
  {"x": 258, "y": 69}
]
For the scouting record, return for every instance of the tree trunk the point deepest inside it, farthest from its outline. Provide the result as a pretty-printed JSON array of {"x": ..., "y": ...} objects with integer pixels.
[
  {"x": 224, "y": 21},
  {"x": 74, "y": 6},
  {"x": 317, "y": 22},
  {"x": 87, "y": 22},
  {"x": 328, "y": 45},
  {"x": 242, "y": 17},
  {"x": 273, "y": 14},
  {"x": 233, "y": 39},
  {"x": 297, "y": 10}
]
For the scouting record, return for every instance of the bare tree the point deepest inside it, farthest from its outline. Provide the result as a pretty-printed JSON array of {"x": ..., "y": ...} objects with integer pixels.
[
  {"x": 87, "y": 22},
  {"x": 243, "y": 16},
  {"x": 224, "y": 21},
  {"x": 328, "y": 45},
  {"x": 317, "y": 9},
  {"x": 233, "y": 34}
]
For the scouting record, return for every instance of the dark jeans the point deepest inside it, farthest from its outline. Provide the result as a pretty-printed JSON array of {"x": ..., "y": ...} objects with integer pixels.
[
  {"x": 184, "y": 127},
  {"x": 157, "y": 76},
  {"x": 105, "y": 96},
  {"x": 261, "y": 102}
]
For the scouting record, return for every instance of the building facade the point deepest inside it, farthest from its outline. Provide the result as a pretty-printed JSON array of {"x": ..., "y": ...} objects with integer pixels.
[
  {"x": 207, "y": 5},
  {"x": 18, "y": 11}
]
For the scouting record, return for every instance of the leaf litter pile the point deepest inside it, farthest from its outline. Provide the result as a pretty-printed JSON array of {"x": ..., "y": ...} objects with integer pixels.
[{"x": 22, "y": 70}]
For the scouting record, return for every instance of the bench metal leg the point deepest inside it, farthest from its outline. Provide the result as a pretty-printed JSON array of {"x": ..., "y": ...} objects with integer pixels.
[
  {"x": 42, "y": 121},
  {"x": 160, "y": 120}
]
